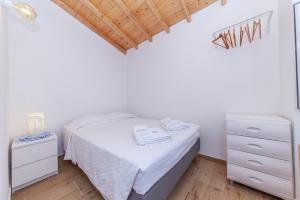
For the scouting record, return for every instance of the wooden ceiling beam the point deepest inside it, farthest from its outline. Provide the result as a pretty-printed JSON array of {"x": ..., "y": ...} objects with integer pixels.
[
  {"x": 129, "y": 14},
  {"x": 107, "y": 21},
  {"x": 122, "y": 27},
  {"x": 157, "y": 14},
  {"x": 186, "y": 11},
  {"x": 92, "y": 27}
]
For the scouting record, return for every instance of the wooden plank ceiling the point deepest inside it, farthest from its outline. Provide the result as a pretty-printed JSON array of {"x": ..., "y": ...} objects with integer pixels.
[{"x": 127, "y": 23}]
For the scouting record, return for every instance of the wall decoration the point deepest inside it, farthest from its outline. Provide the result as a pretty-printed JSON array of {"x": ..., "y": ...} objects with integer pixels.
[
  {"x": 297, "y": 43},
  {"x": 250, "y": 30}
]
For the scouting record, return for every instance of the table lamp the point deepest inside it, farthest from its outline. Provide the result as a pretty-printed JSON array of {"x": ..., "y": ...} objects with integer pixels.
[{"x": 36, "y": 123}]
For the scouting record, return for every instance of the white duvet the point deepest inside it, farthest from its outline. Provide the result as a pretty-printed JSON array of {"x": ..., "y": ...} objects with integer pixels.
[{"x": 106, "y": 151}]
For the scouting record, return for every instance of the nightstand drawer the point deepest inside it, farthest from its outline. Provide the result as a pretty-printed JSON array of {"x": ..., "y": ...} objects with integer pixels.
[
  {"x": 28, "y": 173},
  {"x": 32, "y": 153}
]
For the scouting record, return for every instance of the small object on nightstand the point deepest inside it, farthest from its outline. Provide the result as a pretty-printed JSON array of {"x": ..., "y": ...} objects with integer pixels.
[
  {"x": 30, "y": 138},
  {"x": 33, "y": 161},
  {"x": 36, "y": 123}
]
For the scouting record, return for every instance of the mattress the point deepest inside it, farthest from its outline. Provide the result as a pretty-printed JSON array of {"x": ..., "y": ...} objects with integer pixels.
[
  {"x": 165, "y": 185},
  {"x": 106, "y": 151}
]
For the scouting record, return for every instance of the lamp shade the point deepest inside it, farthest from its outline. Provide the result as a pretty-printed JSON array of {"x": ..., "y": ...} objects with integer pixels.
[
  {"x": 25, "y": 10},
  {"x": 36, "y": 123}
]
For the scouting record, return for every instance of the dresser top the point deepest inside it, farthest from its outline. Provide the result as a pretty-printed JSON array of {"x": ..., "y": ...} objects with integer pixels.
[
  {"x": 16, "y": 145},
  {"x": 259, "y": 117}
]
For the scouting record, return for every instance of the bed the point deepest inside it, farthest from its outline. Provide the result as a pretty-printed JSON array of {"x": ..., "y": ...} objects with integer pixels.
[{"x": 103, "y": 146}]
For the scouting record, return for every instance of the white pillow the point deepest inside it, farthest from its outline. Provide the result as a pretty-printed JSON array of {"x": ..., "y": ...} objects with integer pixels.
[
  {"x": 119, "y": 115},
  {"x": 86, "y": 120},
  {"x": 89, "y": 119},
  {"x": 83, "y": 121}
]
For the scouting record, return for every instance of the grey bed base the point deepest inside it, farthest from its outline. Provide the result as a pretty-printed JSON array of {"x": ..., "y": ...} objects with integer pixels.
[{"x": 166, "y": 184}]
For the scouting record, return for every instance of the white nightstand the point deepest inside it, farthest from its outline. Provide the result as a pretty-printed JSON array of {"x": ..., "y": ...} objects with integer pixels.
[{"x": 33, "y": 161}]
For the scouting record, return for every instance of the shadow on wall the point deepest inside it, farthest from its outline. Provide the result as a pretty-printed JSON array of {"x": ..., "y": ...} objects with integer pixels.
[{"x": 32, "y": 26}]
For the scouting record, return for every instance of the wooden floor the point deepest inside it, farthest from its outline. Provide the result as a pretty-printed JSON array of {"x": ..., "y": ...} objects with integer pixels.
[{"x": 204, "y": 180}]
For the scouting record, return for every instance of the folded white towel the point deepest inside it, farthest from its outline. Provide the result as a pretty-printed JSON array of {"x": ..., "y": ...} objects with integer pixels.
[
  {"x": 173, "y": 125},
  {"x": 144, "y": 135}
]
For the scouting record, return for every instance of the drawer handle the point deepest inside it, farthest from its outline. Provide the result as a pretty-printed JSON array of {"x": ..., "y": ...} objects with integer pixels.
[
  {"x": 254, "y": 162},
  {"x": 255, "y": 146},
  {"x": 256, "y": 180},
  {"x": 254, "y": 129}
]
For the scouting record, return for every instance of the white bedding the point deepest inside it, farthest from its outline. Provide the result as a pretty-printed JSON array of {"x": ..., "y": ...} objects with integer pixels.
[{"x": 106, "y": 151}]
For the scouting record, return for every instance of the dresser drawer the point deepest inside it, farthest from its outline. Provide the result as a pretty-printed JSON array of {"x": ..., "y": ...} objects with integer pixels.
[
  {"x": 271, "y": 184},
  {"x": 28, "y": 173},
  {"x": 275, "y": 167},
  {"x": 32, "y": 153},
  {"x": 274, "y": 149},
  {"x": 257, "y": 129}
]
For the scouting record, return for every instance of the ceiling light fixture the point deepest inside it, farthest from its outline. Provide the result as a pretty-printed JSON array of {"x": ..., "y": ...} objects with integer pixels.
[{"x": 23, "y": 9}]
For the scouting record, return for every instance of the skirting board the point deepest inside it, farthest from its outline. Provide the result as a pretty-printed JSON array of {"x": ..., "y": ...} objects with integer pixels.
[
  {"x": 212, "y": 158},
  {"x": 9, "y": 193},
  {"x": 61, "y": 154},
  {"x": 299, "y": 154}
]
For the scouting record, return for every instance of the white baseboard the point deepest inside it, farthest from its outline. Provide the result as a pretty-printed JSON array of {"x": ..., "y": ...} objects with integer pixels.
[
  {"x": 61, "y": 154},
  {"x": 214, "y": 157},
  {"x": 9, "y": 193}
]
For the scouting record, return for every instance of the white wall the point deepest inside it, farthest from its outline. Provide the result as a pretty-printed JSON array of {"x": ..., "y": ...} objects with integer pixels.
[
  {"x": 61, "y": 68},
  {"x": 288, "y": 75},
  {"x": 182, "y": 75},
  {"x": 4, "y": 177}
]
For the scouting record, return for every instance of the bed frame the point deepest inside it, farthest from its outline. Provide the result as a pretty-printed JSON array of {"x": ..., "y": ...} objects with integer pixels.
[{"x": 161, "y": 189}]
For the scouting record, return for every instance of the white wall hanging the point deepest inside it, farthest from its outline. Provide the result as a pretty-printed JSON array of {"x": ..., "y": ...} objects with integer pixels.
[{"x": 248, "y": 30}]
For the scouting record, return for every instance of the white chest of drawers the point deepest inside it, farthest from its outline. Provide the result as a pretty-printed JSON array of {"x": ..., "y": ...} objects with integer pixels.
[
  {"x": 259, "y": 153},
  {"x": 33, "y": 161}
]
